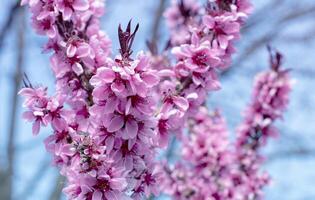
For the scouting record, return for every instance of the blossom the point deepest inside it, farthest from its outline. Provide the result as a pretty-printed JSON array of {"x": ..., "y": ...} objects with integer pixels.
[
  {"x": 224, "y": 27},
  {"x": 67, "y": 7}
]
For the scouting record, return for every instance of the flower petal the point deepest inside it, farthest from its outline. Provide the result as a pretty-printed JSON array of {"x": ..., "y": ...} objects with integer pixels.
[
  {"x": 116, "y": 124},
  {"x": 131, "y": 128}
]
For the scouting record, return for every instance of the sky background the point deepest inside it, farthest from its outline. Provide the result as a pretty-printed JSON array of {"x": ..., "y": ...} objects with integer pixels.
[{"x": 293, "y": 175}]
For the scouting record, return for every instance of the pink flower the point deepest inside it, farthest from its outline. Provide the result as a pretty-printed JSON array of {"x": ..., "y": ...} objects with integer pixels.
[
  {"x": 36, "y": 103},
  {"x": 67, "y": 7},
  {"x": 46, "y": 26},
  {"x": 224, "y": 27},
  {"x": 77, "y": 47}
]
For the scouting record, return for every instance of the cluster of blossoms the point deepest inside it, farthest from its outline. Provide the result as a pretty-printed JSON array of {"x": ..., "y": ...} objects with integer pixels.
[
  {"x": 110, "y": 114},
  {"x": 269, "y": 100},
  {"x": 202, "y": 42},
  {"x": 102, "y": 113},
  {"x": 203, "y": 172},
  {"x": 209, "y": 168}
]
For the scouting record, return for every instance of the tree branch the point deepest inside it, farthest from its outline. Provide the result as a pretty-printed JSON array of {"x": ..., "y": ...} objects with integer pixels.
[
  {"x": 157, "y": 21},
  {"x": 300, "y": 152},
  {"x": 16, "y": 84},
  {"x": 256, "y": 44},
  {"x": 12, "y": 14},
  {"x": 57, "y": 192}
]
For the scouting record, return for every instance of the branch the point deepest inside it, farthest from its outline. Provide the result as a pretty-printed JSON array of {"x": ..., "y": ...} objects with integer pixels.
[
  {"x": 157, "y": 21},
  {"x": 269, "y": 36},
  {"x": 300, "y": 152},
  {"x": 57, "y": 192},
  {"x": 7, "y": 24},
  {"x": 16, "y": 84}
]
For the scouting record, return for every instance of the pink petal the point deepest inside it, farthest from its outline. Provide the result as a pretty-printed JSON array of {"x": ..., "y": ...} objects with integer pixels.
[
  {"x": 107, "y": 74},
  {"x": 71, "y": 50},
  {"x": 77, "y": 68},
  {"x": 111, "y": 105},
  {"x": 112, "y": 195},
  {"x": 223, "y": 40},
  {"x": 128, "y": 106},
  {"x": 209, "y": 21},
  {"x": 131, "y": 143},
  {"x": 97, "y": 195},
  {"x": 181, "y": 102},
  {"x": 128, "y": 162},
  {"x": 80, "y": 5},
  {"x": 118, "y": 87},
  {"x": 67, "y": 13},
  {"x": 83, "y": 50},
  {"x": 28, "y": 115},
  {"x": 131, "y": 128},
  {"x": 59, "y": 124},
  {"x": 51, "y": 33},
  {"x": 197, "y": 80},
  {"x": 118, "y": 183},
  {"x": 163, "y": 140},
  {"x": 109, "y": 142},
  {"x": 166, "y": 73},
  {"x": 150, "y": 79},
  {"x": 116, "y": 124},
  {"x": 27, "y": 92},
  {"x": 232, "y": 28},
  {"x": 36, "y": 127},
  {"x": 24, "y": 2}
]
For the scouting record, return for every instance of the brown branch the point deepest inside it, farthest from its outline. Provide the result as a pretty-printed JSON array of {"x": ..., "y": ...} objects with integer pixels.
[
  {"x": 260, "y": 15},
  {"x": 269, "y": 36},
  {"x": 157, "y": 21},
  {"x": 7, "y": 24},
  {"x": 300, "y": 152},
  {"x": 16, "y": 84},
  {"x": 59, "y": 185}
]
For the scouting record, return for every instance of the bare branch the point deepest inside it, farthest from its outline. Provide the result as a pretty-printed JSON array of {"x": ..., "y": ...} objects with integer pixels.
[
  {"x": 157, "y": 21},
  {"x": 270, "y": 36},
  {"x": 8, "y": 22},
  {"x": 300, "y": 152},
  {"x": 16, "y": 84},
  {"x": 57, "y": 192}
]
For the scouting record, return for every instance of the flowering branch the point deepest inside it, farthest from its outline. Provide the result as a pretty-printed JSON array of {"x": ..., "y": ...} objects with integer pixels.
[{"x": 110, "y": 114}]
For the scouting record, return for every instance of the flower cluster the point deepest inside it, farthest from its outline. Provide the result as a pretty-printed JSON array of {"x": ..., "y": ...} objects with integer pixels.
[
  {"x": 205, "y": 172},
  {"x": 102, "y": 114},
  {"x": 270, "y": 99},
  {"x": 205, "y": 50},
  {"x": 211, "y": 169},
  {"x": 124, "y": 116}
]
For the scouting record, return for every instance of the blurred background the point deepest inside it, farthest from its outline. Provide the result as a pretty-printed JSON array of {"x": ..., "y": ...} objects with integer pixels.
[{"x": 289, "y": 25}]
